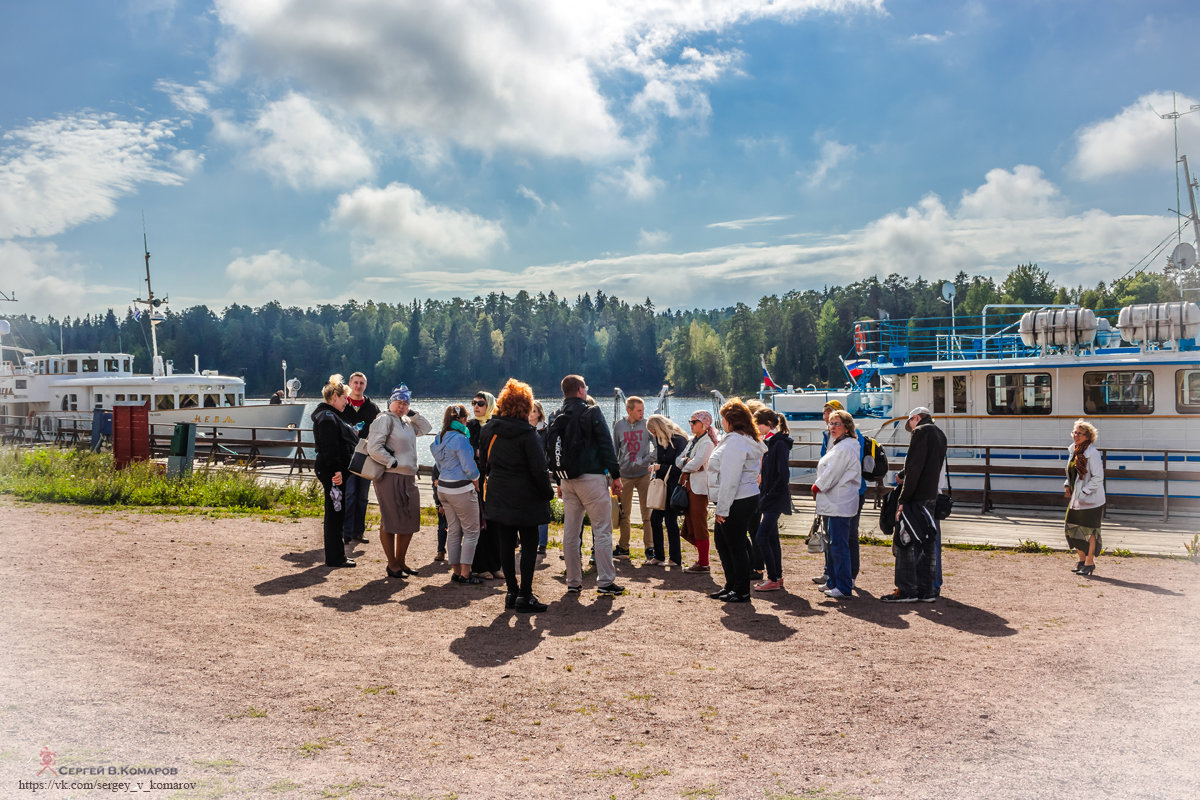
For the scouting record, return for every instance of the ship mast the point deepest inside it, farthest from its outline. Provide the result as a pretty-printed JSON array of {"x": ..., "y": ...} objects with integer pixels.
[
  {"x": 1191, "y": 187},
  {"x": 152, "y": 303}
]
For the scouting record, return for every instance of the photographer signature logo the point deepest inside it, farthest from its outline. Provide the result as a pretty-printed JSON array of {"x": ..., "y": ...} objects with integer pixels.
[{"x": 47, "y": 762}]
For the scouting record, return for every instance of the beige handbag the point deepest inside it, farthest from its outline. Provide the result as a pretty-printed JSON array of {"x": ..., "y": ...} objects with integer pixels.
[{"x": 656, "y": 494}]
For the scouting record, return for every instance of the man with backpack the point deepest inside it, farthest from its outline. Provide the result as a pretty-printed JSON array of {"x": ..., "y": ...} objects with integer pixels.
[
  {"x": 580, "y": 452},
  {"x": 917, "y": 535}
]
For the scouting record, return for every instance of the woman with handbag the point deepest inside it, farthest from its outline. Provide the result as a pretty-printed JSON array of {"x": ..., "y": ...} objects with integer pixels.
[
  {"x": 694, "y": 477},
  {"x": 775, "y": 494},
  {"x": 457, "y": 489},
  {"x": 335, "y": 442},
  {"x": 733, "y": 470},
  {"x": 392, "y": 442},
  {"x": 669, "y": 443},
  {"x": 1085, "y": 490},
  {"x": 839, "y": 473},
  {"x": 516, "y": 490}
]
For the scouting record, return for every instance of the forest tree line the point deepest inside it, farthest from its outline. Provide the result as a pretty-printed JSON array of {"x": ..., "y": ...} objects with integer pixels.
[{"x": 459, "y": 346}]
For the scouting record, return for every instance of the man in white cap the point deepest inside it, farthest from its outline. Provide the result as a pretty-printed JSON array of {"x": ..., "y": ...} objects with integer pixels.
[{"x": 918, "y": 535}]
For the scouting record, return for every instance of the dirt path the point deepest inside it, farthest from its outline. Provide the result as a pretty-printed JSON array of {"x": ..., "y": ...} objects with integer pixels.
[{"x": 222, "y": 649}]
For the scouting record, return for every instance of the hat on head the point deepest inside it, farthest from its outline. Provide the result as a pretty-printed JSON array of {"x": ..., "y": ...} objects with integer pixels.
[
  {"x": 920, "y": 411},
  {"x": 401, "y": 392},
  {"x": 836, "y": 405}
]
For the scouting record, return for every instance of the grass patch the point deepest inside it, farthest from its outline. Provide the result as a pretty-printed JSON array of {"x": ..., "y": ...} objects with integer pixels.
[
  {"x": 78, "y": 477},
  {"x": 878, "y": 540},
  {"x": 1030, "y": 546},
  {"x": 1120, "y": 552},
  {"x": 344, "y": 789},
  {"x": 279, "y": 787},
  {"x": 310, "y": 749},
  {"x": 635, "y": 776},
  {"x": 250, "y": 713},
  {"x": 1193, "y": 548},
  {"x": 968, "y": 546},
  {"x": 711, "y": 791},
  {"x": 820, "y": 793}
]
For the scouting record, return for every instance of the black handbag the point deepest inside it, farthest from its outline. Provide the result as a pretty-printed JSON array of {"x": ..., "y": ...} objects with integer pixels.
[
  {"x": 943, "y": 505},
  {"x": 679, "y": 498}
]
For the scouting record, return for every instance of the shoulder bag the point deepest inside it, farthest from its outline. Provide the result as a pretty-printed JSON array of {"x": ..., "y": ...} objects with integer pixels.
[
  {"x": 680, "y": 501},
  {"x": 943, "y": 504},
  {"x": 656, "y": 493},
  {"x": 361, "y": 463}
]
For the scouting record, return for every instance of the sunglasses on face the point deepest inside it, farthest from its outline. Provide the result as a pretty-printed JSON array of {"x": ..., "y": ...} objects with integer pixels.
[
  {"x": 480, "y": 403},
  {"x": 696, "y": 422}
]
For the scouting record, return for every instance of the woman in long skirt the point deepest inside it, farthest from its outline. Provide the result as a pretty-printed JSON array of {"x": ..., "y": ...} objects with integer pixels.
[{"x": 1085, "y": 490}]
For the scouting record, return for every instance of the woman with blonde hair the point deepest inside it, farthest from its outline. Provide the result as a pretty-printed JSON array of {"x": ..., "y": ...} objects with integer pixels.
[
  {"x": 692, "y": 463},
  {"x": 393, "y": 443},
  {"x": 335, "y": 442},
  {"x": 669, "y": 443},
  {"x": 733, "y": 470},
  {"x": 517, "y": 492},
  {"x": 487, "y": 551},
  {"x": 1084, "y": 489}
]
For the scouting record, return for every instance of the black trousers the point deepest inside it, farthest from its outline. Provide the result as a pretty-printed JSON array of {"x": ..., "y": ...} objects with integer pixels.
[
  {"x": 335, "y": 546},
  {"x": 527, "y": 537},
  {"x": 732, "y": 538}
]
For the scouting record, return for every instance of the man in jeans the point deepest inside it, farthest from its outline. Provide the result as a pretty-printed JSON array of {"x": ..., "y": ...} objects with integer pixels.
[
  {"x": 588, "y": 493},
  {"x": 632, "y": 442},
  {"x": 359, "y": 413},
  {"x": 918, "y": 534}
]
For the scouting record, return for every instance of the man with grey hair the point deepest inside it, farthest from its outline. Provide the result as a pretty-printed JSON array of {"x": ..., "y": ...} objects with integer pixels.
[{"x": 918, "y": 534}]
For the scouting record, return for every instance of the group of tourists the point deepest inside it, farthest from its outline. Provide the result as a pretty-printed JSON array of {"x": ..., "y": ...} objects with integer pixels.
[{"x": 499, "y": 463}]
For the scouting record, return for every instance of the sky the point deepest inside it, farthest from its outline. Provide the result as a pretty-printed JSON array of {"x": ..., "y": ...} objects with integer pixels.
[{"x": 694, "y": 152}]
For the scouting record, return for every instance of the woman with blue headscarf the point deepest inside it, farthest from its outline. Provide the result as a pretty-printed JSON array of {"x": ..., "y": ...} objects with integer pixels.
[{"x": 393, "y": 443}]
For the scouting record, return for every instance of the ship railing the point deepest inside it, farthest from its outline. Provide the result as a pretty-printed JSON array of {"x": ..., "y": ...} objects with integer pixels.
[{"x": 981, "y": 463}]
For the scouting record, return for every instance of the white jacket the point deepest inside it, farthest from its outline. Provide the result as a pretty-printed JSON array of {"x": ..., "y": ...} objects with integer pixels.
[
  {"x": 695, "y": 463},
  {"x": 392, "y": 441},
  {"x": 1089, "y": 490},
  {"x": 733, "y": 468},
  {"x": 839, "y": 475}
]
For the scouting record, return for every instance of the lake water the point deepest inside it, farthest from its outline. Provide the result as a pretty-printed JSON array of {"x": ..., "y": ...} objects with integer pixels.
[{"x": 679, "y": 409}]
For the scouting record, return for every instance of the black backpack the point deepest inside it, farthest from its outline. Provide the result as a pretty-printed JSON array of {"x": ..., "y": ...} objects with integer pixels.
[
  {"x": 567, "y": 439},
  {"x": 874, "y": 463}
]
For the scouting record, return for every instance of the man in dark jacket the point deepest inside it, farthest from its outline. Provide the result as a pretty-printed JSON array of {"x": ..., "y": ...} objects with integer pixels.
[
  {"x": 359, "y": 413},
  {"x": 918, "y": 534},
  {"x": 589, "y": 491}
]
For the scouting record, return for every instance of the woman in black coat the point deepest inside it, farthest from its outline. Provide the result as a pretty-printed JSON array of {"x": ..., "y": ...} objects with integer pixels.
[
  {"x": 487, "y": 562},
  {"x": 669, "y": 442},
  {"x": 335, "y": 442},
  {"x": 774, "y": 494},
  {"x": 517, "y": 489}
]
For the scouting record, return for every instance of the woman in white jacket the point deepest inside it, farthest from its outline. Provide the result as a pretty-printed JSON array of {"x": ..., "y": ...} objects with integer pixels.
[
  {"x": 693, "y": 462},
  {"x": 733, "y": 470},
  {"x": 392, "y": 442},
  {"x": 1085, "y": 489},
  {"x": 839, "y": 475}
]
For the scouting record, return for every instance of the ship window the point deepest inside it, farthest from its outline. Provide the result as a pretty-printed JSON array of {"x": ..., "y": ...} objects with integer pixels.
[
  {"x": 1126, "y": 392},
  {"x": 118, "y": 398},
  {"x": 212, "y": 400},
  {"x": 111, "y": 365},
  {"x": 939, "y": 395},
  {"x": 99, "y": 400},
  {"x": 959, "y": 385},
  {"x": 72, "y": 365},
  {"x": 90, "y": 365},
  {"x": 21, "y": 383},
  {"x": 125, "y": 365},
  {"x": 70, "y": 402},
  {"x": 1187, "y": 391},
  {"x": 189, "y": 400},
  {"x": 164, "y": 402},
  {"x": 231, "y": 399},
  {"x": 1018, "y": 393}
]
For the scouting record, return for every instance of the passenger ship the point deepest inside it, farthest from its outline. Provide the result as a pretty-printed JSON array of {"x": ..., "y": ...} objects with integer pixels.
[{"x": 41, "y": 393}]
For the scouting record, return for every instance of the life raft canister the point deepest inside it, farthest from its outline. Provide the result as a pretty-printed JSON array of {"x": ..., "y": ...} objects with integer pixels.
[{"x": 860, "y": 339}]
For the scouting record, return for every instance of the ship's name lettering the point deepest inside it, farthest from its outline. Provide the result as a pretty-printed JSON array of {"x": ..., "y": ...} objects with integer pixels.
[{"x": 214, "y": 418}]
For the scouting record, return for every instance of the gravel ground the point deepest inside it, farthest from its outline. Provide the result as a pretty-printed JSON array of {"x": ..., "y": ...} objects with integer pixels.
[{"x": 223, "y": 649}]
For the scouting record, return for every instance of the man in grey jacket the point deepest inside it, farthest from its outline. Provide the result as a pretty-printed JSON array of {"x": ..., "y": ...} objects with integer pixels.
[{"x": 631, "y": 440}]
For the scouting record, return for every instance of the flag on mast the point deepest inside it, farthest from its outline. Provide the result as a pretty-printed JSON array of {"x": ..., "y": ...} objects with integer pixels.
[{"x": 767, "y": 382}]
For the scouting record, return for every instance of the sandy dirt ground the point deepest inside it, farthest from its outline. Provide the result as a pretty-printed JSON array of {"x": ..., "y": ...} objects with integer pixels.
[{"x": 222, "y": 649}]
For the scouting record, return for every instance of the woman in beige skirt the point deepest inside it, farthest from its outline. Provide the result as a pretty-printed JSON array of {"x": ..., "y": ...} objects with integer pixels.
[{"x": 393, "y": 443}]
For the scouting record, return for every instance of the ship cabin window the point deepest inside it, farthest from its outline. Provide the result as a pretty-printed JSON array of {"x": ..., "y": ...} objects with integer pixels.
[
  {"x": 21, "y": 383},
  {"x": 1018, "y": 393},
  {"x": 72, "y": 366},
  {"x": 91, "y": 365},
  {"x": 958, "y": 390},
  {"x": 118, "y": 398},
  {"x": 164, "y": 402},
  {"x": 1124, "y": 392},
  {"x": 212, "y": 400},
  {"x": 1187, "y": 391},
  {"x": 189, "y": 400},
  {"x": 230, "y": 399},
  {"x": 112, "y": 365},
  {"x": 99, "y": 400},
  {"x": 70, "y": 402}
]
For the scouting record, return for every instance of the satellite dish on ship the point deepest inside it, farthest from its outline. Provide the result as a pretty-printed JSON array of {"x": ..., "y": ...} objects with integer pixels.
[
  {"x": 1183, "y": 256},
  {"x": 5, "y": 328},
  {"x": 948, "y": 292}
]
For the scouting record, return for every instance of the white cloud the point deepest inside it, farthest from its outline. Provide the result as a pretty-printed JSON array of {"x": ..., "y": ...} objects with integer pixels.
[
  {"x": 742, "y": 224},
  {"x": 276, "y": 275},
  {"x": 653, "y": 240},
  {"x": 188, "y": 99},
  {"x": 982, "y": 237},
  {"x": 833, "y": 153},
  {"x": 296, "y": 142},
  {"x": 1020, "y": 194},
  {"x": 931, "y": 38},
  {"x": 49, "y": 282},
  {"x": 532, "y": 196},
  {"x": 1135, "y": 139},
  {"x": 397, "y": 225},
  {"x": 635, "y": 180},
  {"x": 526, "y": 75},
  {"x": 59, "y": 173}
]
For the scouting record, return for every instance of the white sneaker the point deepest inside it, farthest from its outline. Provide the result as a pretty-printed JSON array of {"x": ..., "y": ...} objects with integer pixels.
[{"x": 836, "y": 594}]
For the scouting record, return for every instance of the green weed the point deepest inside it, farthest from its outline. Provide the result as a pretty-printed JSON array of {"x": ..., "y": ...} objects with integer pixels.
[
  {"x": 1030, "y": 546},
  {"x": 1193, "y": 548}
]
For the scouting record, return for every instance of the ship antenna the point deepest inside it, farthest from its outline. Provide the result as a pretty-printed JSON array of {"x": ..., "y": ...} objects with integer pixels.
[{"x": 152, "y": 303}]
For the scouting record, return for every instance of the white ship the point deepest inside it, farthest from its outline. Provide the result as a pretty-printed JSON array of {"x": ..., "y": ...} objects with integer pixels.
[{"x": 44, "y": 393}]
